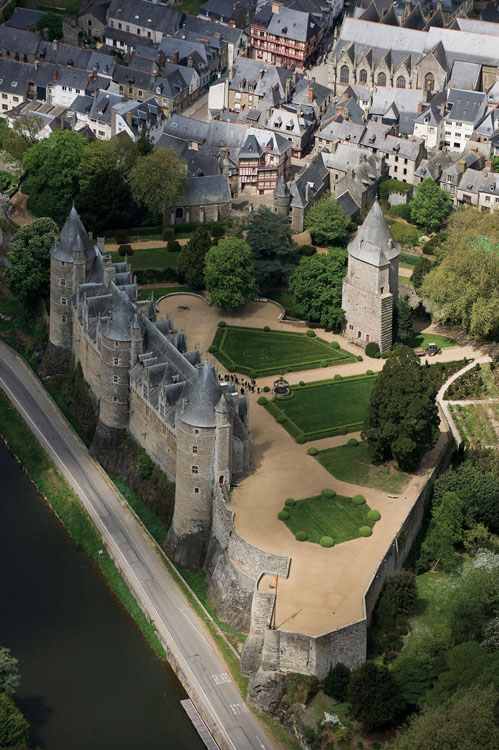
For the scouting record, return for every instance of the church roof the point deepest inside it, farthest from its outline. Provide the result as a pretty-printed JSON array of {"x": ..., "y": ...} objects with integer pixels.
[
  {"x": 72, "y": 237},
  {"x": 374, "y": 243},
  {"x": 202, "y": 395}
]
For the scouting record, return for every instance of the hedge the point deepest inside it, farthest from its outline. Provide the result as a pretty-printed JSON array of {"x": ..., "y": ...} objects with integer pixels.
[
  {"x": 373, "y": 515},
  {"x": 283, "y": 515},
  {"x": 212, "y": 349},
  {"x": 311, "y": 334},
  {"x": 328, "y": 492},
  {"x": 358, "y": 499},
  {"x": 281, "y": 418},
  {"x": 301, "y": 383},
  {"x": 301, "y": 536},
  {"x": 359, "y": 358},
  {"x": 369, "y": 372},
  {"x": 324, "y": 363},
  {"x": 312, "y": 451},
  {"x": 262, "y": 401},
  {"x": 125, "y": 250},
  {"x": 365, "y": 531},
  {"x": 266, "y": 329},
  {"x": 337, "y": 377},
  {"x": 290, "y": 502},
  {"x": 300, "y": 439},
  {"x": 353, "y": 442},
  {"x": 326, "y": 541},
  {"x": 392, "y": 186}
]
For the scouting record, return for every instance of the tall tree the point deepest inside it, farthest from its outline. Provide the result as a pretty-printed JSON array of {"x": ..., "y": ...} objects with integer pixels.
[
  {"x": 229, "y": 274},
  {"x": 404, "y": 319},
  {"x": 337, "y": 681},
  {"x": 421, "y": 268},
  {"x": 126, "y": 152},
  {"x": 14, "y": 728},
  {"x": 269, "y": 236},
  {"x": 446, "y": 529},
  {"x": 402, "y": 418},
  {"x": 10, "y": 678},
  {"x": 53, "y": 23},
  {"x": 158, "y": 181},
  {"x": 374, "y": 696},
  {"x": 192, "y": 257},
  {"x": 430, "y": 205},
  {"x": 327, "y": 223},
  {"x": 28, "y": 277},
  {"x": 21, "y": 136},
  {"x": 316, "y": 287},
  {"x": 477, "y": 488}
]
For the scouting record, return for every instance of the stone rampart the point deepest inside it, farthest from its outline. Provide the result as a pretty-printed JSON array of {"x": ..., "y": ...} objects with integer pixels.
[{"x": 153, "y": 434}]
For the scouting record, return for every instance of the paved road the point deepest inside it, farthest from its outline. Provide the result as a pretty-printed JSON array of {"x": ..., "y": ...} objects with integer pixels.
[{"x": 178, "y": 626}]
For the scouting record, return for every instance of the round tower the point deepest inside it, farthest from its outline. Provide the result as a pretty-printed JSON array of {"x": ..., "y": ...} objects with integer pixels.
[
  {"x": 282, "y": 197},
  {"x": 115, "y": 349}
]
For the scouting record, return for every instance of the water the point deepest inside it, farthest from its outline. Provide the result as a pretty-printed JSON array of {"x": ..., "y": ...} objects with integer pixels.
[{"x": 89, "y": 680}]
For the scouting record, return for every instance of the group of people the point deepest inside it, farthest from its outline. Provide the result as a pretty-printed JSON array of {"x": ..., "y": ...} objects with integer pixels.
[{"x": 244, "y": 385}]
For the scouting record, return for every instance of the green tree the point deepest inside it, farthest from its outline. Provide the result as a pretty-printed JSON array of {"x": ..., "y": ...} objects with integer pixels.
[
  {"x": 430, "y": 205},
  {"x": 401, "y": 591},
  {"x": 126, "y": 152},
  {"x": 474, "y": 603},
  {"x": 144, "y": 142},
  {"x": 316, "y": 287},
  {"x": 421, "y": 268},
  {"x": 158, "y": 181},
  {"x": 468, "y": 722},
  {"x": 476, "y": 537},
  {"x": 269, "y": 236},
  {"x": 495, "y": 163},
  {"x": 192, "y": 257},
  {"x": 21, "y": 136},
  {"x": 404, "y": 319},
  {"x": 14, "y": 728},
  {"x": 229, "y": 274},
  {"x": 53, "y": 166},
  {"x": 490, "y": 642},
  {"x": 374, "y": 696},
  {"x": 10, "y": 678},
  {"x": 414, "y": 674},
  {"x": 53, "y": 23},
  {"x": 28, "y": 278},
  {"x": 327, "y": 223},
  {"x": 466, "y": 664},
  {"x": 478, "y": 490},
  {"x": 337, "y": 681},
  {"x": 402, "y": 418},
  {"x": 446, "y": 529}
]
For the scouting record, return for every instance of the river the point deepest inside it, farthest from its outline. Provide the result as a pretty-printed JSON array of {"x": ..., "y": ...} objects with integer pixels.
[{"x": 89, "y": 680}]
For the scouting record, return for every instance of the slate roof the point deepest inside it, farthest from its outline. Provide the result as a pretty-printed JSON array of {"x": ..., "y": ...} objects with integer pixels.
[
  {"x": 204, "y": 191},
  {"x": 73, "y": 236},
  {"x": 300, "y": 93},
  {"x": 18, "y": 40},
  {"x": 315, "y": 175},
  {"x": 465, "y": 105},
  {"x": 202, "y": 395},
  {"x": 15, "y": 77},
  {"x": 348, "y": 205},
  {"x": 293, "y": 24},
  {"x": 23, "y": 18},
  {"x": 374, "y": 243},
  {"x": 102, "y": 106},
  {"x": 204, "y": 26},
  {"x": 122, "y": 312},
  {"x": 282, "y": 190},
  {"x": 149, "y": 15},
  {"x": 465, "y": 75}
]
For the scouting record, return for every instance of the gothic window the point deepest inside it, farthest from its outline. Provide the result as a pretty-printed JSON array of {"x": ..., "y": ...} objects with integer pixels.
[
  {"x": 381, "y": 79},
  {"x": 344, "y": 74},
  {"x": 363, "y": 76},
  {"x": 401, "y": 82},
  {"x": 429, "y": 82},
  {"x": 195, "y": 470}
]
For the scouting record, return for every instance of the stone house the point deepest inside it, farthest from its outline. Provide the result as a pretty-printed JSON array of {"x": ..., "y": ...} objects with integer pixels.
[
  {"x": 356, "y": 190},
  {"x": 92, "y": 17},
  {"x": 294, "y": 200},
  {"x": 206, "y": 199},
  {"x": 463, "y": 112},
  {"x": 149, "y": 21}
]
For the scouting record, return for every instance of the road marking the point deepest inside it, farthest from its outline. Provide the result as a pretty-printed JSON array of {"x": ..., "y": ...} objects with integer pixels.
[
  {"x": 218, "y": 679},
  {"x": 238, "y": 708}
]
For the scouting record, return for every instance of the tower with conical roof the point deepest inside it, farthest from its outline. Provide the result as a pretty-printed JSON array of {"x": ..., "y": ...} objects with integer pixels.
[
  {"x": 370, "y": 288},
  {"x": 282, "y": 197}
]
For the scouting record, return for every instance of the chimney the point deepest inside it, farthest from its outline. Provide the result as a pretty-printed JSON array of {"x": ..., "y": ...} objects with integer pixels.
[
  {"x": 176, "y": 56},
  {"x": 407, "y": 8},
  {"x": 307, "y": 192},
  {"x": 420, "y": 107},
  {"x": 55, "y": 74},
  {"x": 128, "y": 118},
  {"x": 310, "y": 94},
  {"x": 55, "y": 45},
  {"x": 426, "y": 95},
  {"x": 109, "y": 270},
  {"x": 276, "y": 7},
  {"x": 488, "y": 165}
]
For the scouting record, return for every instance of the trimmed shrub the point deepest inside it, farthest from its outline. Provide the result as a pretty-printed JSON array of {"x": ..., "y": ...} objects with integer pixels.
[
  {"x": 307, "y": 250},
  {"x": 353, "y": 442},
  {"x": 311, "y": 334},
  {"x": 343, "y": 431},
  {"x": 365, "y": 531},
  {"x": 121, "y": 236},
  {"x": 302, "y": 383},
  {"x": 337, "y": 377},
  {"x": 212, "y": 349},
  {"x": 125, "y": 250},
  {"x": 328, "y": 492},
  {"x": 369, "y": 372},
  {"x": 335, "y": 345},
  {"x": 167, "y": 234},
  {"x": 262, "y": 401},
  {"x": 281, "y": 418},
  {"x": 373, "y": 515},
  {"x": 173, "y": 246},
  {"x": 283, "y": 515},
  {"x": 372, "y": 349},
  {"x": 266, "y": 329},
  {"x": 290, "y": 502},
  {"x": 300, "y": 439},
  {"x": 222, "y": 324},
  {"x": 358, "y": 499},
  {"x": 360, "y": 358},
  {"x": 323, "y": 363},
  {"x": 326, "y": 541},
  {"x": 301, "y": 536},
  {"x": 266, "y": 388},
  {"x": 312, "y": 451}
]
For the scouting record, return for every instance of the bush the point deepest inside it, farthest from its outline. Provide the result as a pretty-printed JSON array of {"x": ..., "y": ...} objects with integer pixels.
[
  {"x": 167, "y": 234},
  {"x": 365, "y": 531},
  {"x": 343, "y": 431},
  {"x": 173, "y": 246},
  {"x": 360, "y": 358},
  {"x": 266, "y": 388},
  {"x": 307, "y": 250},
  {"x": 403, "y": 210},
  {"x": 144, "y": 466},
  {"x": 283, "y": 515},
  {"x": 373, "y": 515},
  {"x": 290, "y": 502},
  {"x": 328, "y": 492},
  {"x": 217, "y": 230},
  {"x": 301, "y": 536},
  {"x": 311, "y": 334},
  {"x": 300, "y": 439},
  {"x": 121, "y": 236},
  {"x": 385, "y": 355},
  {"x": 336, "y": 682},
  {"x": 358, "y": 499},
  {"x": 212, "y": 349},
  {"x": 262, "y": 401},
  {"x": 369, "y": 372},
  {"x": 324, "y": 363},
  {"x": 266, "y": 329},
  {"x": 312, "y": 451},
  {"x": 337, "y": 377},
  {"x": 222, "y": 324},
  {"x": 353, "y": 442},
  {"x": 386, "y": 187},
  {"x": 335, "y": 345},
  {"x": 125, "y": 250},
  {"x": 326, "y": 541},
  {"x": 372, "y": 349},
  {"x": 302, "y": 383},
  {"x": 281, "y": 418}
]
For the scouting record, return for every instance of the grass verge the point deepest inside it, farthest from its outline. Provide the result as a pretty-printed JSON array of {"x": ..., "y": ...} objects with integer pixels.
[{"x": 352, "y": 464}]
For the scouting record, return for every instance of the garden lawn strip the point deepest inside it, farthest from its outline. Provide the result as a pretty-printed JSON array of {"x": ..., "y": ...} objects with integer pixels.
[
  {"x": 352, "y": 464},
  {"x": 421, "y": 340},
  {"x": 319, "y": 516},
  {"x": 153, "y": 257}
]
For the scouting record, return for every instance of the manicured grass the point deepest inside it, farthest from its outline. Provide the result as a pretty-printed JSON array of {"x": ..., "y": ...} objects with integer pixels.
[
  {"x": 352, "y": 464},
  {"x": 337, "y": 517},
  {"x": 70, "y": 7},
  {"x": 286, "y": 299},
  {"x": 153, "y": 257},
  {"x": 405, "y": 280},
  {"x": 162, "y": 290},
  {"x": 325, "y": 408},
  {"x": 252, "y": 351},
  {"x": 407, "y": 260},
  {"x": 191, "y": 7},
  {"x": 421, "y": 341}
]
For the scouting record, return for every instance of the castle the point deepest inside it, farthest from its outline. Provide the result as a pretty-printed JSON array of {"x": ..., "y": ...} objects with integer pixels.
[{"x": 146, "y": 382}]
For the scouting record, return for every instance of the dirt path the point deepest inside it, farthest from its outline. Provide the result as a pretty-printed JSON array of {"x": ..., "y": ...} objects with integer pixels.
[{"x": 20, "y": 214}]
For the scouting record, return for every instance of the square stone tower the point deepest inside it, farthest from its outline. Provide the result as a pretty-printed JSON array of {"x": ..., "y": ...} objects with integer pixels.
[{"x": 370, "y": 288}]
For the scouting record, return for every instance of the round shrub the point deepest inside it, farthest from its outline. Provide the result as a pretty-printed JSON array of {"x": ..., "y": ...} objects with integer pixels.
[
  {"x": 323, "y": 363},
  {"x": 312, "y": 451},
  {"x": 372, "y": 349},
  {"x": 262, "y": 401},
  {"x": 335, "y": 345},
  {"x": 311, "y": 334},
  {"x": 212, "y": 349},
  {"x": 302, "y": 383},
  {"x": 358, "y": 499},
  {"x": 360, "y": 358},
  {"x": 365, "y": 531},
  {"x": 251, "y": 373},
  {"x": 266, "y": 388},
  {"x": 232, "y": 369},
  {"x": 369, "y": 372},
  {"x": 301, "y": 536},
  {"x": 283, "y": 515},
  {"x": 290, "y": 502},
  {"x": 353, "y": 442},
  {"x": 266, "y": 329},
  {"x": 326, "y": 541},
  {"x": 173, "y": 246},
  {"x": 300, "y": 439},
  {"x": 222, "y": 323},
  {"x": 373, "y": 515},
  {"x": 217, "y": 230},
  {"x": 328, "y": 492},
  {"x": 281, "y": 418},
  {"x": 167, "y": 234},
  {"x": 337, "y": 377}
]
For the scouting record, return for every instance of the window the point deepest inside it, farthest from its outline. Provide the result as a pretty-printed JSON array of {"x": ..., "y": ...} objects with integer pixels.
[
  {"x": 459, "y": 124},
  {"x": 487, "y": 198},
  {"x": 405, "y": 171},
  {"x": 63, "y": 282},
  {"x": 448, "y": 132},
  {"x": 196, "y": 432},
  {"x": 457, "y": 144},
  {"x": 344, "y": 74},
  {"x": 381, "y": 79},
  {"x": 382, "y": 289},
  {"x": 116, "y": 361},
  {"x": 194, "y": 449},
  {"x": 116, "y": 378},
  {"x": 195, "y": 470},
  {"x": 16, "y": 98},
  {"x": 64, "y": 301},
  {"x": 237, "y": 96},
  {"x": 64, "y": 318},
  {"x": 401, "y": 82},
  {"x": 363, "y": 76},
  {"x": 196, "y": 490},
  {"x": 429, "y": 82},
  {"x": 115, "y": 398},
  {"x": 116, "y": 344},
  {"x": 359, "y": 334}
]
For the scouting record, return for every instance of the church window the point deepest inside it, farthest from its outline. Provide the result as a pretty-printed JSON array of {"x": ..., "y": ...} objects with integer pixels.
[
  {"x": 344, "y": 74},
  {"x": 363, "y": 76},
  {"x": 401, "y": 82},
  {"x": 195, "y": 470},
  {"x": 194, "y": 449},
  {"x": 429, "y": 82},
  {"x": 381, "y": 79}
]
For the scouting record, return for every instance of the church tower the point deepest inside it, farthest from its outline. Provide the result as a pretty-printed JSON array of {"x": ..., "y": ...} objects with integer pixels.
[{"x": 370, "y": 288}]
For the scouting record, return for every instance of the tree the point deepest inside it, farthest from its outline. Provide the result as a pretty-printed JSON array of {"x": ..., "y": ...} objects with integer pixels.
[
  {"x": 476, "y": 537},
  {"x": 478, "y": 490},
  {"x": 467, "y": 722},
  {"x": 10, "y": 678},
  {"x": 430, "y": 205},
  {"x": 474, "y": 603},
  {"x": 316, "y": 287},
  {"x": 269, "y": 236},
  {"x": 490, "y": 642},
  {"x": 28, "y": 278},
  {"x": 404, "y": 319},
  {"x": 402, "y": 418},
  {"x": 144, "y": 142},
  {"x": 495, "y": 163},
  {"x": 229, "y": 274},
  {"x": 466, "y": 664},
  {"x": 327, "y": 223},
  {"x": 14, "y": 728},
  {"x": 53, "y": 166},
  {"x": 192, "y": 257},
  {"x": 446, "y": 529},
  {"x": 414, "y": 674},
  {"x": 421, "y": 268},
  {"x": 158, "y": 181},
  {"x": 337, "y": 681},
  {"x": 126, "y": 152},
  {"x": 401, "y": 590},
  {"x": 21, "y": 136},
  {"x": 53, "y": 23},
  {"x": 374, "y": 696}
]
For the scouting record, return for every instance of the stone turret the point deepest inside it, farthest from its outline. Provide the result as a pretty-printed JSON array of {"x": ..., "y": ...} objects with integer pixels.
[
  {"x": 370, "y": 288},
  {"x": 282, "y": 197},
  {"x": 116, "y": 343},
  {"x": 136, "y": 337},
  {"x": 223, "y": 442}
]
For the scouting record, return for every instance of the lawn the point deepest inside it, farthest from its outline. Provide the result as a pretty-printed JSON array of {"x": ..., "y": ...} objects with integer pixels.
[
  {"x": 407, "y": 260},
  {"x": 69, "y": 7},
  {"x": 191, "y": 7},
  {"x": 352, "y": 464},
  {"x": 286, "y": 299},
  {"x": 475, "y": 424},
  {"x": 421, "y": 341},
  {"x": 325, "y": 408},
  {"x": 255, "y": 352},
  {"x": 320, "y": 516},
  {"x": 160, "y": 291},
  {"x": 405, "y": 280},
  {"x": 154, "y": 257},
  {"x": 402, "y": 232}
]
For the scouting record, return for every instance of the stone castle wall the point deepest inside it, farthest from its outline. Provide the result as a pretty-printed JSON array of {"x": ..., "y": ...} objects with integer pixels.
[
  {"x": 86, "y": 353},
  {"x": 153, "y": 434}
]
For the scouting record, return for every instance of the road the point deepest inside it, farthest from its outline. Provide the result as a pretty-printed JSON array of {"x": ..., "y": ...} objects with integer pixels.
[{"x": 178, "y": 626}]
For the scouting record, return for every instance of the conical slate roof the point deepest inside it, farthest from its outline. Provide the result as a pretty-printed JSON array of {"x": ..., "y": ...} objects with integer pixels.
[
  {"x": 374, "y": 243},
  {"x": 73, "y": 237},
  {"x": 282, "y": 190},
  {"x": 202, "y": 395},
  {"x": 122, "y": 312}
]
